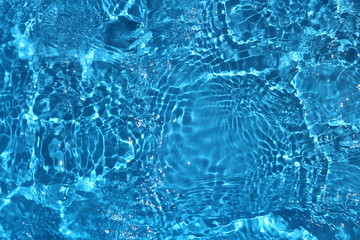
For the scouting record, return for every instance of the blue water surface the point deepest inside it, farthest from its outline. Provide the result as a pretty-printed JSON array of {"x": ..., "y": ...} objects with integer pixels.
[{"x": 179, "y": 119}]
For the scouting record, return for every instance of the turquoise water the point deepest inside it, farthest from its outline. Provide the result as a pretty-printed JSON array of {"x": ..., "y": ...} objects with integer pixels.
[{"x": 169, "y": 119}]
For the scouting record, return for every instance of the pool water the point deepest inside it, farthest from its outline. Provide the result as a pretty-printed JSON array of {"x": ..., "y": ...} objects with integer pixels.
[{"x": 178, "y": 119}]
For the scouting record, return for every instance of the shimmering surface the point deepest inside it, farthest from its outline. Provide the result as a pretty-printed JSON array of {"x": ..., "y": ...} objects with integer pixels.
[{"x": 150, "y": 119}]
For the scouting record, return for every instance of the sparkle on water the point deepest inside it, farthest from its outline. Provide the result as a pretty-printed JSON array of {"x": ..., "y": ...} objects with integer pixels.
[{"x": 179, "y": 119}]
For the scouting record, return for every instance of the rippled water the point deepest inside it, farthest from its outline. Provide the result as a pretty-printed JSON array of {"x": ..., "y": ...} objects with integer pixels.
[{"x": 169, "y": 119}]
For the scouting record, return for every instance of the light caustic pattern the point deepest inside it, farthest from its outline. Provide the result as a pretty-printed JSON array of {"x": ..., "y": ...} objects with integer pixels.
[{"x": 150, "y": 119}]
